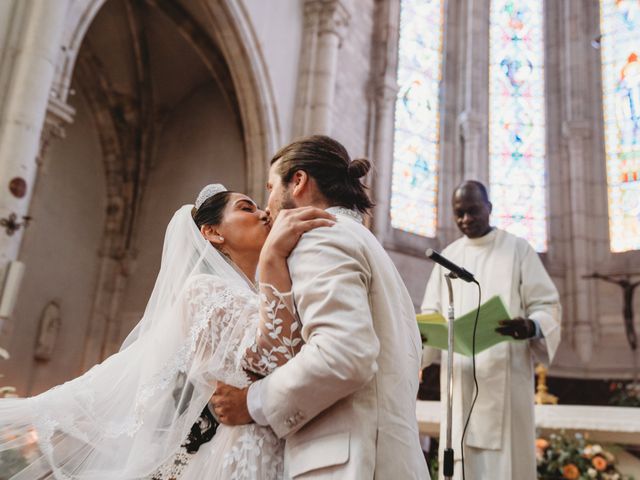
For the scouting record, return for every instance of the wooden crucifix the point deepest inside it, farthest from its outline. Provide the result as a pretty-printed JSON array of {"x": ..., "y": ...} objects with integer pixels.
[{"x": 628, "y": 287}]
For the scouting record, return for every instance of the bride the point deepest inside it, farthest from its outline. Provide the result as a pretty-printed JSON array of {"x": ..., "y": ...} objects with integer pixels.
[{"x": 143, "y": 412}]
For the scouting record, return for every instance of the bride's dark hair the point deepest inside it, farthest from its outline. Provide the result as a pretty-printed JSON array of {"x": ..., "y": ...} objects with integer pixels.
[{"x": 211, "y": 212}]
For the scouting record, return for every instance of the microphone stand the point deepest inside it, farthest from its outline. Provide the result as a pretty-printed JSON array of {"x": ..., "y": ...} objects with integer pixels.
[
  {"x": 448, "y": 460},
  {"x": 455, "y": 271}
]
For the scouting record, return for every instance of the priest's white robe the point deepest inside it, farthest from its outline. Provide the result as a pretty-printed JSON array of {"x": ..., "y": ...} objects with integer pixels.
[{"x": 500, "y": 440}]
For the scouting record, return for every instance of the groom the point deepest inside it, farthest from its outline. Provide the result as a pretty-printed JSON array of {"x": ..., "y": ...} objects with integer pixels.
[{"x": 346, "y": 403}]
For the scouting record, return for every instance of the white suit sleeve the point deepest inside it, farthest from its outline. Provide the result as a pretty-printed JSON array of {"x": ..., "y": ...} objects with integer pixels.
[
  {"x": 331, "y": 281},
  {"x": 541, "y": 303}
]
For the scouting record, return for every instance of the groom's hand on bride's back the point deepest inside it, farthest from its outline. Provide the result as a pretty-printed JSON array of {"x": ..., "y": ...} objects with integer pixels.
[{"x": 230, "y": 405}]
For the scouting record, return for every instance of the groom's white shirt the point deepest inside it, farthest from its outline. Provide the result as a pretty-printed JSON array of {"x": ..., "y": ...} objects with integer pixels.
[{"x": 346, "y": 403}]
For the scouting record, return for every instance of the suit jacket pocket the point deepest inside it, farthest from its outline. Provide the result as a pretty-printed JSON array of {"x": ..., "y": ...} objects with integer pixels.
[{"x": 320, "y": 452}]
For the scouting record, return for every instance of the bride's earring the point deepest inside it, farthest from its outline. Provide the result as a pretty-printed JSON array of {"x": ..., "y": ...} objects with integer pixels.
[{"x": 221, "y": 238}]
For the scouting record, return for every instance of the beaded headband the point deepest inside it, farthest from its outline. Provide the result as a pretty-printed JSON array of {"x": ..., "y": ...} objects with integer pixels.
[{"x": 208, "y": 192}]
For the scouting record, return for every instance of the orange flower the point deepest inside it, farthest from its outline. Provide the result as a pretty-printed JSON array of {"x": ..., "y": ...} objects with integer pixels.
[
  {"x": 542, "y": 444},
  {"x": 599, "y": 463},
  {"x": 570, "y": 472}
]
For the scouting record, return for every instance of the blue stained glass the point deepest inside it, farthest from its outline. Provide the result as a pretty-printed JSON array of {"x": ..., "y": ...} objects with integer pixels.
[
  {"x": 620, "y": 50},
  {"x": 517, "y": 119},
  {"x": 417, "y": 119}
]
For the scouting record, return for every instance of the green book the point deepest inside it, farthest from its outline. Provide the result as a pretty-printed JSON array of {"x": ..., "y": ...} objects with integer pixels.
[{"x": 434, "y": 327}]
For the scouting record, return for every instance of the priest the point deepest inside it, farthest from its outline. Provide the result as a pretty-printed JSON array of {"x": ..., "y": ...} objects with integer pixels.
[{"x": 500, "y": 439}]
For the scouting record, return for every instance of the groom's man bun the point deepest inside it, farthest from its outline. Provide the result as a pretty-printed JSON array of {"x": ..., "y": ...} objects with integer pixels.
[{"x": 328, "y": 163}]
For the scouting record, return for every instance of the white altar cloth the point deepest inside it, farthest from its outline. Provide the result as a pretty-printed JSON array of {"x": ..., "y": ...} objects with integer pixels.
[{"x": 602, "y": 424}]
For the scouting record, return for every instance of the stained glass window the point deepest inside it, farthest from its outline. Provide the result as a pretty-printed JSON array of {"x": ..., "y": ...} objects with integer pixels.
[
  {"x": 517, "y": 119},
  {"x": 620, "y": 49},
  {"x": 417, "y": 118}
]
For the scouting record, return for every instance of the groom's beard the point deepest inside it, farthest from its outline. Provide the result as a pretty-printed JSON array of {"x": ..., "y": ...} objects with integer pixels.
[
  {"x": 283, "y": 202},
  {"x": 287, "y": 201}
]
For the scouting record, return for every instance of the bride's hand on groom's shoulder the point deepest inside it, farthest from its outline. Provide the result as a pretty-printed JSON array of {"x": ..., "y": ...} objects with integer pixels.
[{"x": 289, "y": 226}]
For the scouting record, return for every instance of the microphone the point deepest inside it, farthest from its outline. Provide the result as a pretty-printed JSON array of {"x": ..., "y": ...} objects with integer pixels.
[{"x": 449, "y": 265}]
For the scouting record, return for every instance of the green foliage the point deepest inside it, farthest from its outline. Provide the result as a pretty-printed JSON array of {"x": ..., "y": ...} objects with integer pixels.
[
  {"x": 433, "y": 464},
  {"x": 625, "y": 395}
]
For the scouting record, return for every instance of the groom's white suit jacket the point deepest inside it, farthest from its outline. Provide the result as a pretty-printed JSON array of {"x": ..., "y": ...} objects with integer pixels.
[{"x": 346, "y": 403}]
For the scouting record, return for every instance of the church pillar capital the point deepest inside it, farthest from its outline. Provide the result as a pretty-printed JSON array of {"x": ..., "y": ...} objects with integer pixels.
[
  {"x": 334, "y": 17},
  {"x": 59, "y": 114},
  {"x": 325, "y": 25},
  {"x": 473, "y": 132},
  {"x": 385, "y": 94},
  {"x": 471, "y": 124}
]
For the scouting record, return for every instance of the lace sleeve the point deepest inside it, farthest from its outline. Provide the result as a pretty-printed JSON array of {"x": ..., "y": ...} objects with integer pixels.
[{"x": 278, "y": 337}]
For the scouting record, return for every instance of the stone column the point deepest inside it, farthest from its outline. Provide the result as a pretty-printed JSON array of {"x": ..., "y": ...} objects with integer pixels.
[
  {"x": 32, "y": 63},
  {"x": 382, "y": 156},
  {"x": 581, "y": 293},
  {"x": 473, "y": 135},
  {"x": 382, "y": 92},
  {"x": 578, "y": 134},
  {"x": 325, "y": 24},
  {"x": 473, "y": 121}
]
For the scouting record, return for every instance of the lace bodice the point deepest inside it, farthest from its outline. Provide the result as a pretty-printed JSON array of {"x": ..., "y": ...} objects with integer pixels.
[
  {"x": 268, "y": 321},
  {"x": 271, "y": 336},
  {"x": 225, "y": 316}
]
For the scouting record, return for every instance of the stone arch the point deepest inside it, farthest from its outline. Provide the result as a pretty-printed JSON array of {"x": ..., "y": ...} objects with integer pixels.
[
  {"x": 229, "y": 27},
  {"x": 237, "y": 39}
]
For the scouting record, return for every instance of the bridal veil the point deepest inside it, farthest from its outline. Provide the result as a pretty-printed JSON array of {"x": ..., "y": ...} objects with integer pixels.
[{"x": 127, "y": 415}]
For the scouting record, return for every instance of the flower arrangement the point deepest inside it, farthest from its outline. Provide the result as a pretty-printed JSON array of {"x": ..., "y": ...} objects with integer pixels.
[
  {"x": 624, "y": 395},
  {"x": 574, "y": 458}
]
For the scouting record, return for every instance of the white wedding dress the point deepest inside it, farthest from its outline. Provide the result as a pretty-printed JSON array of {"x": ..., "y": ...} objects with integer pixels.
[
  {"x": 249, "y": 451},
  {"x": 129, "y": 417}
]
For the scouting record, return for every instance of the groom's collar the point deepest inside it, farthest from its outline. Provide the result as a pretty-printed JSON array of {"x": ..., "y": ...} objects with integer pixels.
[{"x": 347, "y": 212}]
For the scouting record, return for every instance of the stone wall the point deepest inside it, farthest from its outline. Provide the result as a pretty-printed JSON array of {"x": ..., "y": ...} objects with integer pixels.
[
  {"x": 61, "y": 254},
  {"x": 197, "y": 146}
]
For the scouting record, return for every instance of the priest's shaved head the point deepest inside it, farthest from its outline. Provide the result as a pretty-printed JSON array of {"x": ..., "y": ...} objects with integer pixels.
[
  {"x": 472, "y": 209},
  {"x": 474, "y": 185}
]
